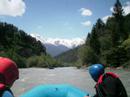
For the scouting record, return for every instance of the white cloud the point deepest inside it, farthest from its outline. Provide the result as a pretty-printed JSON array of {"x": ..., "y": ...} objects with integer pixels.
[
  {"x": 87, "y": 23},
  {"x": 126, "y": 8},
  {"x": 105, "y": 18},
  {"x": 85, "y": 12},
  {"x": 111, "y": 9},
  {"x": 12, "y": 7}
]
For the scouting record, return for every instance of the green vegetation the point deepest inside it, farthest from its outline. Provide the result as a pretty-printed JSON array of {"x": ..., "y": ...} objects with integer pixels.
[
  {"x": 108, "y": 43},
  {"x": 25, "y": 50},
  {"x": 66, "y": 56},
  {"x": 45, "y": 61},
  {"x": 71, "y": 57}
]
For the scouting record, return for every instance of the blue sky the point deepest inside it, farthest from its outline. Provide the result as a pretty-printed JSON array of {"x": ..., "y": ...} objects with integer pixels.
[{"x": 57, "y": 18}]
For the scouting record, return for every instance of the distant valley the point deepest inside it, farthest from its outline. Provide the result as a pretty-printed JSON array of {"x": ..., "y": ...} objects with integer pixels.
[
  {"x": 55, "y": 47},
  {"x": 55, "y": 50}
]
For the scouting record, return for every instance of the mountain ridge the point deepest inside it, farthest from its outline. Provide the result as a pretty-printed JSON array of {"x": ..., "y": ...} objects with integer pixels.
[{"x": 57, "y": 46}]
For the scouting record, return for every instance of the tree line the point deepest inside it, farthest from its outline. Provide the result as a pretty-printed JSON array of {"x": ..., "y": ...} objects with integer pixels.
[
  {"x": 109, "y": 43},
  {"x": 24, "y": 49}
]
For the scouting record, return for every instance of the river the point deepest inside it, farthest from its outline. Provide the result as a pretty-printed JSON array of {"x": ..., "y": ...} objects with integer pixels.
[{"x": 79, "y": 78}]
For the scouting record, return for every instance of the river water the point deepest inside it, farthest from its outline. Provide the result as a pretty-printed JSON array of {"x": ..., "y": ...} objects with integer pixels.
[{"x": 79, "y": 78}]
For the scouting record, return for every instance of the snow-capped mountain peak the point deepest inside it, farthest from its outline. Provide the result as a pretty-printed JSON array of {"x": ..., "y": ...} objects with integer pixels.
[
  {"x": 70, "y": 43},
  {"x": 57, "y": 46}
]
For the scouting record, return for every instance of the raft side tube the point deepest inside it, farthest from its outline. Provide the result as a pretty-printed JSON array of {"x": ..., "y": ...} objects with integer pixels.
[{"x": 55, "y": 91}]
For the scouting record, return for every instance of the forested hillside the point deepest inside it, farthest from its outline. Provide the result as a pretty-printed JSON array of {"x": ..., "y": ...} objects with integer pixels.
[
  {"x": 108, "y": 43},
  {"x": 66, "y": 56},
  {"x": 25, "y": 50}
]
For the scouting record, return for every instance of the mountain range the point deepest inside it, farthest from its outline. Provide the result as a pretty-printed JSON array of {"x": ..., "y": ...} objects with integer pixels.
[{"x": 56, "y": 46}]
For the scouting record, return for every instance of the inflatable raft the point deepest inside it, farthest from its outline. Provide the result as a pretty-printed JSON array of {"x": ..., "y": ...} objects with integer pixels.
[{"x": 55, "y": 91}]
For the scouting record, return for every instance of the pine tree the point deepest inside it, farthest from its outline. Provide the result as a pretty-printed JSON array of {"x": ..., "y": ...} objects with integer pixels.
[
  {"x": 88, "y": 39},
  {"x": 118, "y": 11},
  {"x": 94, "y": 42},
  {"x": 99, "y": 27},
  {"x": 100, "y": 24},
  {"x": 118, "y": 34}
]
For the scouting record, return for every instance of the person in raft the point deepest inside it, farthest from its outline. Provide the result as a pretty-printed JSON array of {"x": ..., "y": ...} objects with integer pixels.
[
  {"x": 108, "y": 84},
  {"x": 8, "y": 74}
]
